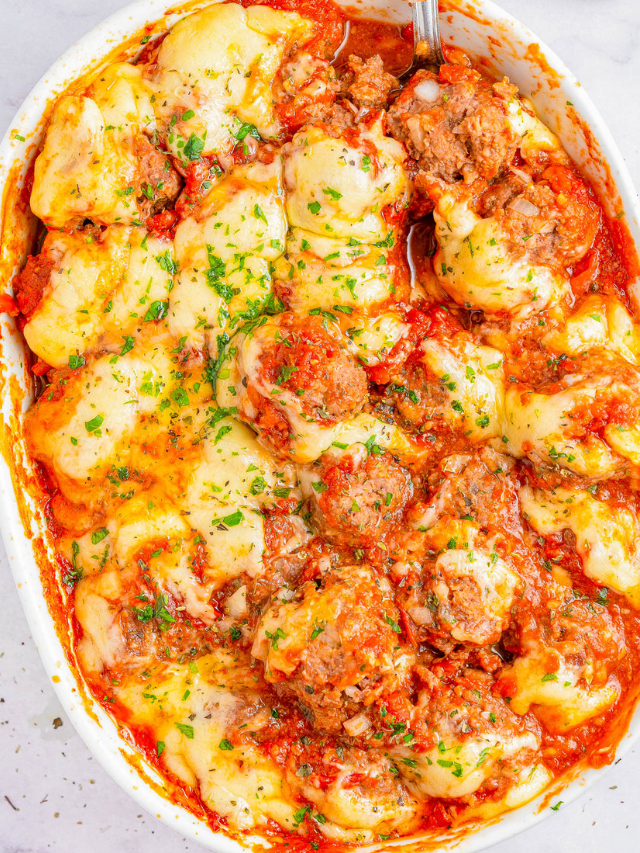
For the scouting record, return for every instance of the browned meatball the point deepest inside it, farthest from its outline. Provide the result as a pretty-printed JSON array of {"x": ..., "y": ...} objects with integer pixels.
[
  {"x": 159, "y": 181},
  {"x": 461, "y": 583},
  {"x": 358, "y": 499},
  {"x": 553, "y": 221},
  {"x": 588, "y": 635},
  {"x": 332, "y": 646},
  {"x": 307, "y": 361},
  {"x": 367, "y": 84},
  {"x": 455, "y": 124},
  {"x": 478, "y": 484}
]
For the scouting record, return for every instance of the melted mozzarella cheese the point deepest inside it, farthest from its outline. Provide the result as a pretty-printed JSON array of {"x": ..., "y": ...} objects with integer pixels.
[
  {"x": 215, "y": 70},
  {"x": 458, "y": 766},
  {"x": 143, "y": 292},
  {"x": 359, "y": 813},
  {"x": 601, "y": 322},
  {"x": 88, "y": 165},
  {"x": 228, "y": 487},
  {"x": 374, "y": 336},
  {"x": 70, "y": 315},
  {"x": 194, "y": 714},
  {"x": 224, "y": 253},
  {"x": 111, "y": 285},
  {"x": 142, "y": 522},
  {"x": 82, "y": 434},
  {"x": 325, "y": 273},
  {"x": 530, "y": 781},
  {"x": 97, "y": 609},
  {"x": 472, "y": 380},
  {"x": 537, "y": 139},
  {"x": 607, "y": 537},
  {"x": 365, "y": 428},
  {"x": 544, "y": 679},
  {"x": 337, "y": 188},
  {"x": 475, "y": 267},
  {"x": 124, "y": 97},
  {"x": 137, "y": 524},
  {"x": 540, "y": 426}
]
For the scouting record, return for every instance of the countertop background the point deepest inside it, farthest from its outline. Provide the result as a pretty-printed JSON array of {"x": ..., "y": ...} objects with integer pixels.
[{"x": 53, "y": 794}]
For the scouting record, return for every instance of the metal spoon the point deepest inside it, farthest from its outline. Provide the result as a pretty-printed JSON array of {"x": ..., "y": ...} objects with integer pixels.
[{"x": 427, "y": 48}]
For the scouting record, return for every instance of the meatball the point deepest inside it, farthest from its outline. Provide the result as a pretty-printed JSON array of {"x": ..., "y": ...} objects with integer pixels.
[
  {"x": 310, "y": 364},
  {"x": 565, "y": 672},
  {"x": 460, "y": 585},
  {"x": 331, "y": 645},
  {"x": 465, "y": 596},
  {"x": 456, "y": 387},
  {"x": 588, "y": 425},
  {"x": 477, "y": 485},
  {"x": 358, "y": 499},
  {"x": 553, "y": 221},
  {"x": 295, "y": 383},
  {"x": 357, "y": 789},
  {"x": 367, "y": 84},
  {"x": 125, "y": 625},
  {"x": 455, "y": 124},
  {"x": 159, "y": 181},
  {"x": 331, "y": 384},
  {"x": 478, "y": 744}
]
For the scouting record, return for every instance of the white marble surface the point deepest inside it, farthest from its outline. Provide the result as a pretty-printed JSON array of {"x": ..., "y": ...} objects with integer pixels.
[{"x": 53, "y": 795}]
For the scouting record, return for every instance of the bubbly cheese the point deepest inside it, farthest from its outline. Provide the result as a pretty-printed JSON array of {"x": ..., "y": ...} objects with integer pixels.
[
  {"x": 233, "y": 480},
  {"x": 601, "y": 322},
  {"x": 326, "y": 273},
  {"x": 339, "y": 188},
  {"x": 458, "y": 766},
  {"x": 541, "y": 427},
  {"x": 544, "y": 679},
  {"x": 107, "y": 286},
  {"x": 607, "y": 536},
  {"x": 88, "y": 165},
  {"x": 476, "y": 268},
  {"x": 224, "y": 251},
  {"x": 141, "y": 296},
  {"x": 472, "y": 380},
  {"x": 215, "y": 70},
  {"x": 69, "y": 316},
  {"x": 81, "y": 435}
]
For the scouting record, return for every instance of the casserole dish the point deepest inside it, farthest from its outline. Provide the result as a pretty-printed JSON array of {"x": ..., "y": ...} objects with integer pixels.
[{"x": 468, "y": 28}]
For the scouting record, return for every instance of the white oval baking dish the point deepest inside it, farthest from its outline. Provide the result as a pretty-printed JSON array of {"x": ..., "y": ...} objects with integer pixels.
[{"x": 481, "y": 28}]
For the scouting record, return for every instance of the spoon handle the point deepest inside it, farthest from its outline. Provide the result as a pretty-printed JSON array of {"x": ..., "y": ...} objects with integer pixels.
[{"x": 427, "y": 47}]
